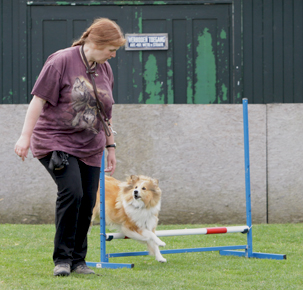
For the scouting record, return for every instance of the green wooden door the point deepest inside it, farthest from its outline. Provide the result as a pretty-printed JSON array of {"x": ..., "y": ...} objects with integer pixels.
[
  {"x": 55, "y": 27},
  {"x": 196, "y": 69}
]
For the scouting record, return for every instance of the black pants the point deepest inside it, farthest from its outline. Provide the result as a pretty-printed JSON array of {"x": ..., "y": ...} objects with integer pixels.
[{"x": 77, "y": 186}]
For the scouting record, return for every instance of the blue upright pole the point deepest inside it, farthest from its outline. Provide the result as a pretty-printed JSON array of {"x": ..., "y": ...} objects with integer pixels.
[
  {"x": 249, "y": 250},
  {"x": 102, "y": 214},
  {"x": 103, "y": 256}
]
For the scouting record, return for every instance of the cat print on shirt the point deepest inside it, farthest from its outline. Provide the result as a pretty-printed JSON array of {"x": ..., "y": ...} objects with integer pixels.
[{"x": 84, "y": 105}]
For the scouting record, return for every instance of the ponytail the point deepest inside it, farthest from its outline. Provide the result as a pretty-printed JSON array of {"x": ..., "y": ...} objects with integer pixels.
[{"x": 82, "y": 39}]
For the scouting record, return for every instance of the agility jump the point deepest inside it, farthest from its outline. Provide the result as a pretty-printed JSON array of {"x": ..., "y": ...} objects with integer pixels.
[{"x": 247, "y": 250}]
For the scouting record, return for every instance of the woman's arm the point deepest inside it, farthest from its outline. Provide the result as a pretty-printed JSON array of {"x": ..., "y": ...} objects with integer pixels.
[
  {"x": 111, "y": 156},
  {"x": 32, "y": 115}
]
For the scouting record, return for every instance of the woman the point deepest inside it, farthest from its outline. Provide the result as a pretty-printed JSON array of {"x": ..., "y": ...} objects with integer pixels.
[{"x": 63, "y": 118}]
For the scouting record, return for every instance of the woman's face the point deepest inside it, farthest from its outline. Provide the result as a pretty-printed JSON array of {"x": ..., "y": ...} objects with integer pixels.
[{"x": 102, "y": 55}]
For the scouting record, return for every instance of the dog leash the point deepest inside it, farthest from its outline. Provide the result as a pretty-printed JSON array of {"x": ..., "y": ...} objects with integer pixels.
[{"x": 100, "y": 106}]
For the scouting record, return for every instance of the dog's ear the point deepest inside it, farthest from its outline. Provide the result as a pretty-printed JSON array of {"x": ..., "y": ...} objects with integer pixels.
[
  {"x": 156, "y": 182},
  {"x": 133, "y": 178}
]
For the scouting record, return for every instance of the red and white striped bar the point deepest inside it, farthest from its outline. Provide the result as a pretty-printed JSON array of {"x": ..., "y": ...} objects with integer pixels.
[{"x": 187, "y": 232}]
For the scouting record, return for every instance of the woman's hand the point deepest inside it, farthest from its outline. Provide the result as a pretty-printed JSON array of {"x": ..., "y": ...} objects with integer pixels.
[
  {"x": 111, "y": 161},
  {"x": 111, "y": 156},
  {"x": 32, "y": 115},
  {"x": 22, "y": 146}
]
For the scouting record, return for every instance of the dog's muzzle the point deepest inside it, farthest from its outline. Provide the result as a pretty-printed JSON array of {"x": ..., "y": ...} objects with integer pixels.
[{"x": 136, "y": 194}]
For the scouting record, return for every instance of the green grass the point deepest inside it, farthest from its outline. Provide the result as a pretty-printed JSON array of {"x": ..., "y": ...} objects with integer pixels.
[{"x": 26, "y": 261}]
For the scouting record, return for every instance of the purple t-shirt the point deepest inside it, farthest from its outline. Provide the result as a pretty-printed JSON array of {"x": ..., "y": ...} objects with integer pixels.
[{"x": 69, "y": 121}]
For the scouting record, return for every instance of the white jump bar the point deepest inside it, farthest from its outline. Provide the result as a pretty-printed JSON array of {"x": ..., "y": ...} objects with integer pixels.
[{"x": 185, "y": 232}]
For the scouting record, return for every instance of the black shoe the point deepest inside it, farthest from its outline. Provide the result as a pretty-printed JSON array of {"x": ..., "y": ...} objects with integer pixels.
[
  {"x": 62, "y": 269},
  {"x": 83, "y": 269}
]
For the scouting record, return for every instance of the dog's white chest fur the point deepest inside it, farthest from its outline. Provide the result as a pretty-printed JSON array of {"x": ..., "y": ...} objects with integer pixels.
[{"x": 144, "y": 218}]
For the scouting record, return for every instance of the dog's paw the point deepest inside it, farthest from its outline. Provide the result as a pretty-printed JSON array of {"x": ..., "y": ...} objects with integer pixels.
[
  {"x": 161, "y": 244},
  {"x": 161, "y": 260}
]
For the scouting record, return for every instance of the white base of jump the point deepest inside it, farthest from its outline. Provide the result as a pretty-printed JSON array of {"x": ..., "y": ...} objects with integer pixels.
[{"x": 186, "y": 232}]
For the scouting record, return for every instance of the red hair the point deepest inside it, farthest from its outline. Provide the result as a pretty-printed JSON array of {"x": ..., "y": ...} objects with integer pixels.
[{"x": 102, "y": 32}]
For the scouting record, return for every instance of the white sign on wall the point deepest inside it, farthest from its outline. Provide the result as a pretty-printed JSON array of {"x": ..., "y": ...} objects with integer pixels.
[{"x": 146, "y": 41}]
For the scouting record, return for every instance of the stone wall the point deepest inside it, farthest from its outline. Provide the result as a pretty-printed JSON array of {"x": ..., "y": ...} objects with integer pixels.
[{"x": 196, "y": 151}]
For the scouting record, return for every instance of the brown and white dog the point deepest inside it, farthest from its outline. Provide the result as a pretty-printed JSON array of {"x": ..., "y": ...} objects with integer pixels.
[{"x": 132, "y": 207}]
